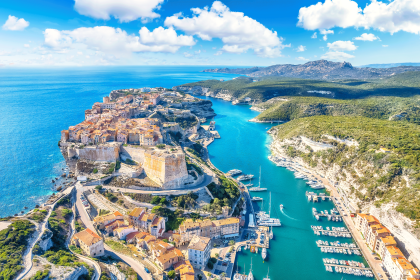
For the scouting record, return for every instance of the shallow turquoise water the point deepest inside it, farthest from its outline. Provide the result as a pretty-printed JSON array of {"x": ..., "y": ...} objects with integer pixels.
[
  {"x": 293, "y": 253},
  {"x": 36, "y": 104}
]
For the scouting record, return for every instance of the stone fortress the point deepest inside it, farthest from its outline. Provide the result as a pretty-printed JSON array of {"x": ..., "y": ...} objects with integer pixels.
[{"x": 112, "y": 131}]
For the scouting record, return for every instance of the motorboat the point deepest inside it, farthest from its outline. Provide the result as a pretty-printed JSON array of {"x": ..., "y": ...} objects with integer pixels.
[
  {"x": 256, "y": 198},
  {"x": 234, "y": 172},
  {"x": 281, "y": 206},
  {"x": 264, "y": 253},
  {"x": 245, "y": 177}
]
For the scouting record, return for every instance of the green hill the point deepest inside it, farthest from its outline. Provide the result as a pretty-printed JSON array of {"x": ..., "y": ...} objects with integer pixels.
[
  {"x": 377, "y": 177},
  {"x": 405, "y": 84},
  {"x": 389, "y": 107}
]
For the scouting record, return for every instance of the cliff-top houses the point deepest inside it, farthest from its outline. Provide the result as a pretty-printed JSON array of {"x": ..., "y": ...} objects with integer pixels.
[{"x": 380, "y": 240}]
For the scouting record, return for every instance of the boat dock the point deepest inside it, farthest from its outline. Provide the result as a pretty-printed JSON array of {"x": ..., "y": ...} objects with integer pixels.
[{"x": 347, "y": 266}]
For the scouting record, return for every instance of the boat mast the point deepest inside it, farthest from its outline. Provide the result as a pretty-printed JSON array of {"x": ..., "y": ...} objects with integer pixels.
[
  {"x": 269, "y": 209},
  {"x": 259, "y": 183}
]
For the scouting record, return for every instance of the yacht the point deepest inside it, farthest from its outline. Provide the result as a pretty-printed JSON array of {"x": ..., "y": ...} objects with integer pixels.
[
  {"x": 234, "y": 172},
  {"x": 264, "y": 253},
  {"x": 258, "y": 189},
  {"x": 271, "y": 233},
  {"x": 245, "y": 177},
  {"x": 264, "y": 219},
  {"x": 317, "y": 187},
  {"x": 256, "y": 198}
]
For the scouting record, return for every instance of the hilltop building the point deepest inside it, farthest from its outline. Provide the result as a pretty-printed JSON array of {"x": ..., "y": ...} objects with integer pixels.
[{"x": 90, "y": 243}]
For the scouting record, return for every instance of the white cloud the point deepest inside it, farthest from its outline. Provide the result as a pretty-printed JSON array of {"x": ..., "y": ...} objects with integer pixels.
[
  {"x": 15, "y": 24},
  {"x": 80, "y": 53},
  {"x": 314, "y": 36},
  {"x": 27, "y": 45},
  {"x": 124, "y": 10},
  {"x": 393, "y": 16},
  {"x": 385, "y": 46},
  {"x": 197, "y": 52},
  {"x": 325, "y": 33},
  {"x": 302, "y": 58},
  {"x": 338, "y": 56},
  {"x": 367, "y": 37},
  {"x": 188, "y": 55},
  {"x": 301, "y": 48},
  {"x": 342, "y": 46},
  {"x": 238, "y": 32},
  {"x": 116, "y": 41}
]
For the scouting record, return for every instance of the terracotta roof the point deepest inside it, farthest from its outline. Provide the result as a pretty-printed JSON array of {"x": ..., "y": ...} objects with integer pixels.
[
  {"x": 170, "y": 255},
  {"x": 394, "y": 251},
  {"x": 388, "y": 240},
  {"x": 120, "y": 229},
  {"x": 227, "y": 221},
  {"x": 132, "y": 235},
  {"x": 88, "y": 237},
  {"x": 199, "y": 243},
  {"x": 136, "y": 212}
]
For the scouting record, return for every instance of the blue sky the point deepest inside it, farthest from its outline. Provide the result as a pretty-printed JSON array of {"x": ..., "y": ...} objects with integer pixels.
[{"x": 201, "y": 32}]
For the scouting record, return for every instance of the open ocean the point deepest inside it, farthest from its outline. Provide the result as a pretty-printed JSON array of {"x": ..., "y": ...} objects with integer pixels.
[{"x": 37, "y": 103}]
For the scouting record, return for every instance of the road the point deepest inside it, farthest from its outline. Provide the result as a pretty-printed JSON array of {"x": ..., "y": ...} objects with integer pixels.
[
  {"x": 27, "y": 257},
  {"x": 88, "y": 223}
]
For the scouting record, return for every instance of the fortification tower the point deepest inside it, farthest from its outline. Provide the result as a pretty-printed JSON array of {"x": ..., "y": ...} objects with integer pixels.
[{"x": 106, "y": 99}]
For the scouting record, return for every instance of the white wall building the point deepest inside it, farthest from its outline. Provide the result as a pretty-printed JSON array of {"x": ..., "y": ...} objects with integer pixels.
[{"x": 199, "y": 251}]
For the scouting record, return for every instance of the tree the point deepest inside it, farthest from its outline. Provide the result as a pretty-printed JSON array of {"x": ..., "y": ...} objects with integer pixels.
[
  {"x": 171, "y": 274},
  {"x": 98, "y": 187},
  {"x": 210, "y": 265},
  {"x": 163, "y": 201},
  {"x": 160, "y": 146},
  {"x": 232, "y": 242},
  {"x": 155, "y": 200}
]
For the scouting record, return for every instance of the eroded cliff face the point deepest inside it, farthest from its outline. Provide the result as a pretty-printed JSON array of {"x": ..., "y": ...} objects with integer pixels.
[
  {"x": 354, "y": 178},
  {"x": 202, "y": 109}
]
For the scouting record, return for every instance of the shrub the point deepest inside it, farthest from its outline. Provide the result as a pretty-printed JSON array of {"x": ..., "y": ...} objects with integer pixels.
[
  {"x": 118, "y": 165},
  {"x": 160, "y": 146},
  {"x": 210, "y": 265},
  {"x": 98, "y": 187},
  {"x": 171, "y": 274},
  {"x": 95, "y": 170}
]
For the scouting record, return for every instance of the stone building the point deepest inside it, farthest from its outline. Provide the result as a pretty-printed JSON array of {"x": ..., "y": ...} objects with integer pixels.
[
  {"x": 168, "y": 169},
  {"x": 199, "y": 251},
  {"x": 90, "y": 243},
  {"x": 212, "y": 229}
]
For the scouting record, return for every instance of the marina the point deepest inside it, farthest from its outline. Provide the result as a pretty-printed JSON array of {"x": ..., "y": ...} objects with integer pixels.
[{"x": 287, "y": 187}]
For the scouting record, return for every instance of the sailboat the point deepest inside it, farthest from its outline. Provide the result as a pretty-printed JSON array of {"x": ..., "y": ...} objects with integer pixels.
[
  {"x": 250, "y": 276},
  {"x": 258, "y": 189},
  {"x": 268, "y": 272},
  {"x": 264, "y": 219}
]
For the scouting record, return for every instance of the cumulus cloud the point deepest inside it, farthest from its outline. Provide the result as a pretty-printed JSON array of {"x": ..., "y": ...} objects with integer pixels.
[
  {"x": 337, "y": 56},
  {"x": 393, "y": 16},
  {"x": 238, "y": 32},
  {"x": 367, "y": 37},
  {"x": 342, "y": 46},
  {"x": 15, "y": 24},
  {"x": 27, "y": 45},
  {"x": 301, "y": 48},
  {"x": 116, "y": 41},
  {"x": 124, "y": 10},
  {"x": 301, "y": 58},
  {"x": 325, "y": 33},
  {"x": 314, "y": 36}
]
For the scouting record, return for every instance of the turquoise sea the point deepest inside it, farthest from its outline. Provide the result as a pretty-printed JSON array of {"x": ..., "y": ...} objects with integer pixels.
[
  {"x": 293, "y": 253},
  {"x": 36, "y": 104}
]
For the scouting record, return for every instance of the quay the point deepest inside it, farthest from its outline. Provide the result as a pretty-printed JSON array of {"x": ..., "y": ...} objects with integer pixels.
[{"x": 348, "y": 266}]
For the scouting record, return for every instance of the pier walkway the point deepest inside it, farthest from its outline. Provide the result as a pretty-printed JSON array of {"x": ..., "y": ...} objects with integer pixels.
[{"x": 348, "y": 266}]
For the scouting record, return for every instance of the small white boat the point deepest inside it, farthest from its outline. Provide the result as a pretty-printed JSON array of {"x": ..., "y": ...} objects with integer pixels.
[
  {"x": 264, "y": 253},
  {"x": 281, "y": 206}
]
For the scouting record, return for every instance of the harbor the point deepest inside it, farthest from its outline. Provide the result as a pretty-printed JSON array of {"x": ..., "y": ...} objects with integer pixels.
[{"x": 286, "y": 188}]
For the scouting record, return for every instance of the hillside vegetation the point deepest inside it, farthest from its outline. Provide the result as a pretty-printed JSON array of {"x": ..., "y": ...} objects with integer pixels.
[
  {"x": 405, "y": 84},
  {"x": 289, "y": 108},
  {"x": 390, "y": 177}
]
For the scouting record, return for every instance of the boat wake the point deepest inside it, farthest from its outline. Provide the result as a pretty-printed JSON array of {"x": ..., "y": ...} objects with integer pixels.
[{"x": 282, "y": 210}]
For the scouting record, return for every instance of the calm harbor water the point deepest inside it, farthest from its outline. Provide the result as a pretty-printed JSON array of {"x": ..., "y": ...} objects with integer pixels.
[
  {"x": 293, "y": 253},
  {"x": 36, "y": 104}
]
